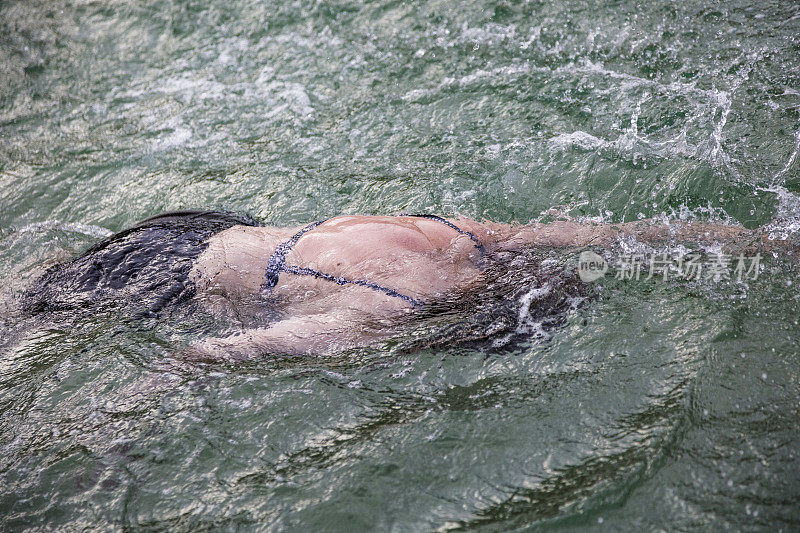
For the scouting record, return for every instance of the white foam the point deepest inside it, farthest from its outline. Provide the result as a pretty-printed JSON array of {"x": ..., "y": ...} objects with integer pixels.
[
  {"x": 491, "y": 33},
  {"x": 787, "y": 216},
  {"x": 786, "y": 221},
  {"x": 479, "y": 76},
  {"x": 631, "y": 81},
  {"x": 524, "y": 322},
  {"x": 189, "y": 89},
  {"x": 579, "y": 139},
  {"x": 284, "y": 96},
  {"x": 793, "y": 155},
  {"x": 297, "y": 99},
  {"x": 525, "y": 325},
  {"x": 179, "y": 136},
  {"x": 230, "y": 49},
  {"x": 633, "y": 145}
]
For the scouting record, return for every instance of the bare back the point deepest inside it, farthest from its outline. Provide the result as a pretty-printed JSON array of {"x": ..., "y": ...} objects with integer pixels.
[{"x": 418, "y": 257}]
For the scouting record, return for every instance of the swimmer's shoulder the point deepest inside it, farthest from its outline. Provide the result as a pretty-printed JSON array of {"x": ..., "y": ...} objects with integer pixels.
[
  {"x": 487, "y": 232},
  {"x": 236, "y": 259}
]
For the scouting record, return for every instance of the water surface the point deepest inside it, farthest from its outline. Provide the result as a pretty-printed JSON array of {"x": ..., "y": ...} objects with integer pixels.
[{"x": 654, "y": 405}]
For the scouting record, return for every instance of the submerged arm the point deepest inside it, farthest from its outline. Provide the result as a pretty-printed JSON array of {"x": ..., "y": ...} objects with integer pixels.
[{"x": 307, "y": 335}]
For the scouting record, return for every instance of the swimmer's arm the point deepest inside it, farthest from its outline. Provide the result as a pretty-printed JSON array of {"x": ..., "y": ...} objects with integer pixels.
[
  {"x": 310, "y": 335},
  {"x": 558, "y": 234},
  {"x": 497, "y": 236}
]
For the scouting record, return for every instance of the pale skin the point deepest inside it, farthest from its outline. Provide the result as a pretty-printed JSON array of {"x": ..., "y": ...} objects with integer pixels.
[{"x": 418, "y": 257}]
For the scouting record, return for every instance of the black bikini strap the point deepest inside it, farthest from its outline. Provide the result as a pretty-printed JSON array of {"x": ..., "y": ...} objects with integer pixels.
[
  {"x": 478, "y": 244},
  {"x": 277, "y": 261},
  {"x": 303, "y": 271}
]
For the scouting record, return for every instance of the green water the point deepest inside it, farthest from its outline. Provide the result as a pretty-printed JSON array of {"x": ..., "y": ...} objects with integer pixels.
[{"x": 657, "y": 405}]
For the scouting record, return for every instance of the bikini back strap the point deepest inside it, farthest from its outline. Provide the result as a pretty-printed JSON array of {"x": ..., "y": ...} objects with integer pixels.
[
  {"x": 304, "y": 271},
  {"x": 478, "y": 244},
  {"x": 277, "y": 261}
]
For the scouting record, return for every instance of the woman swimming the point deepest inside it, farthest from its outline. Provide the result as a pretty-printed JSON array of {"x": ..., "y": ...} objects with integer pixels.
[{"x": 330, "y": 285}]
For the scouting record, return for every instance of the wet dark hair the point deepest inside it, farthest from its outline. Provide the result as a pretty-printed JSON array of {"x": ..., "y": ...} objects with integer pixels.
[
  {"x": 145, "y": 266},
  {"x": 522, "y": 296}
]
